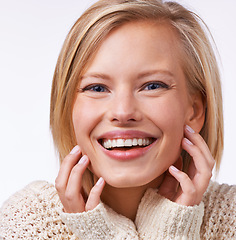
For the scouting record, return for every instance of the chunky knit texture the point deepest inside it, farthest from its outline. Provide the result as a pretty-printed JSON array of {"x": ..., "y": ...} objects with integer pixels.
[
  {"x": 167, "y": 219},
  {"x": 36, "y": 213}
]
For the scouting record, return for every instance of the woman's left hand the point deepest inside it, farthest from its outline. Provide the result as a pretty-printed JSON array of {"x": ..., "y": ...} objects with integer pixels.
[{"x": 194, "y": 184}]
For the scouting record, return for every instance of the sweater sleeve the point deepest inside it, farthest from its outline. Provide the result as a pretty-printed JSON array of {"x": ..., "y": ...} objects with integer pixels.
[
  {"x": 100, "y": 223},
  {"x": 159, "y": 218},
  {"x": 36, "y": 213},
  {"x": 219, "y": 220},
  {"x": 32, "y": 214}
]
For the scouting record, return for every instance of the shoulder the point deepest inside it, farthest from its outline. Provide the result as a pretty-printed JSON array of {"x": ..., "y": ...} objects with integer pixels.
[
  {"x": 220, "y": 212},
  {"x": 32, "y": 212},
  {"x": 37, "y": 191}
]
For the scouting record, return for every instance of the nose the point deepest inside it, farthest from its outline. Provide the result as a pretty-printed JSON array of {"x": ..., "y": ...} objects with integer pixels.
[{"x": 124, "y": 108}]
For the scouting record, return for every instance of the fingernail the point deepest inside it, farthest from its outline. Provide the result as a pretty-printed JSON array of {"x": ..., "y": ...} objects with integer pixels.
[
  {"x": 187, "y": 141},
  {"x": 189, "y": 129},
  {"x": 174, "y": 168},
  {"x": 100, "y": 181},
  {"x": 83, "y": 160},
  {"x": 75, "y": 150}
]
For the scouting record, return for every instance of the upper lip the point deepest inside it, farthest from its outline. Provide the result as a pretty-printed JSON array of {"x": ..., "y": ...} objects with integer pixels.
[{"x": 127, "y": 134}]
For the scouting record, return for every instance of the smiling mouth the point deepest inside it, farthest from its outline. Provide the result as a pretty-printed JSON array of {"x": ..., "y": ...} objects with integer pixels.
[{"x": 126, "y": 144}]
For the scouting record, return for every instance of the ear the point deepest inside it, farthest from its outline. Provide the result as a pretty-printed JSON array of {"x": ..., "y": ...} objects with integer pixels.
[{"x": 196, "y": 116}]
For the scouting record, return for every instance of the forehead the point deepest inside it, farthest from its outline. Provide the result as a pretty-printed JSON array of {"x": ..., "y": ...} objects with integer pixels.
[
  {"x": 136, "y": 45},
  {"x": 159, "y": 33}
]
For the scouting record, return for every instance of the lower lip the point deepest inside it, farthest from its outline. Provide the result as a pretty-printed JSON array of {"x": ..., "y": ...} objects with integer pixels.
[{"x": 125, "y": 155}]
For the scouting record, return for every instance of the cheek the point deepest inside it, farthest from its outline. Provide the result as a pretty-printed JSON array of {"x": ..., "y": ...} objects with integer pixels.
[
  {"x": 169, "y": 116},
  {"x": 173, "y": 121},
  {"x": 168, "y": 113},
  {"x": 85, "y": 118},
  {"x": 81, "y": 117}
]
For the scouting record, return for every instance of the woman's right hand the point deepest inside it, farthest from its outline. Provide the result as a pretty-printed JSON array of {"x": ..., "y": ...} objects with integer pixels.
[{"x": 69, "y": 184}]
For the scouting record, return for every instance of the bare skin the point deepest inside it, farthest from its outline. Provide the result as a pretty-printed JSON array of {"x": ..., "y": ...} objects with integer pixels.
[
  {"x": 133, "y": 197},
  {"x": 190, "y": 193},
  {"x": 121, "y": 97}
]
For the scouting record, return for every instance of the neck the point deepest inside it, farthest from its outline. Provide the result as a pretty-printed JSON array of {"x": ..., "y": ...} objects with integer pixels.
[{"x": 125, "y": 201}]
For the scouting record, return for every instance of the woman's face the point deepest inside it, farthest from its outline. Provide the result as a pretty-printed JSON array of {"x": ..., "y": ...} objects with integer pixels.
[{"x": 132, "y": 105}]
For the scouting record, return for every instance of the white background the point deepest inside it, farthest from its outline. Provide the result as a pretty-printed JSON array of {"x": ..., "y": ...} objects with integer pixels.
[{"x": 31, "y": 36}]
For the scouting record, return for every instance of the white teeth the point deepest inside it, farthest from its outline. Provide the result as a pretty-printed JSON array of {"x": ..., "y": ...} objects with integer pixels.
[
  {"x": 140, "y": 142},
  {"x": 135, "y": 142},
  {"x": 128, "y": 142},
  {"x": 112, "y": 143},
  {"x": 108, "y": 143},
  {"x": 120, "y": 143}
]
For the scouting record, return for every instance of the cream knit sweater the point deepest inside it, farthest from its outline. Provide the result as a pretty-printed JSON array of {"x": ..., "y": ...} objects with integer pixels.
[{"x": 36, "y": 213}]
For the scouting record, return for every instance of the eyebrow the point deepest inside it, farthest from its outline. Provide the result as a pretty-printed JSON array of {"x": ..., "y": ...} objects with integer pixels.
[
  {"x": 149, "y": 73},
  {"x": 96, "y": 75},
  {"x": 141, "y": 75}
]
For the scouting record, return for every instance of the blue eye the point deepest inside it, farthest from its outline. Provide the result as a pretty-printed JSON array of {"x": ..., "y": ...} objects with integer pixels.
[
  {"x": 154, "y": 86},
  {"x": 95, "y": 88}
]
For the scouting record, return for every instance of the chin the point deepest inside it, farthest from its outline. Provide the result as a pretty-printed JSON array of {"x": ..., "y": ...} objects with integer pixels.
[{"x": 129, "y": 181}]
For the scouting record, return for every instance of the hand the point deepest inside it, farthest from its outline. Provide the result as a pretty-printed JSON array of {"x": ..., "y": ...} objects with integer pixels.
[
  {"x": 193, "y": 185},
  {"x": 69, "y": 184}
]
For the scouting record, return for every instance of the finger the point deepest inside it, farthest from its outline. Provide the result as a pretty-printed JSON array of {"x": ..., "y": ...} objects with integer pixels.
[
  {"x": 197, "y": 140},
  {"x": 94, "y": 195},
  {"x": 73, "y": 194},
  {"x": 199, "y": 170},
  {"x": 169, "y": 183},
  {"x": 187, "y": 190},
  {"x": 200, "y": 161},
  {"x": 67, "y": 164}
]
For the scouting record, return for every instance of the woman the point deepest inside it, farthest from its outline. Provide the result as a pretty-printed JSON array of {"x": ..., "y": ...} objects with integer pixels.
[{"x": 136, "y": 94}]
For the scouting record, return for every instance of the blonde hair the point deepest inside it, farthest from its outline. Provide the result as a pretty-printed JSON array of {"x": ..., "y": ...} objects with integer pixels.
[{"x": 85, "y": 37}]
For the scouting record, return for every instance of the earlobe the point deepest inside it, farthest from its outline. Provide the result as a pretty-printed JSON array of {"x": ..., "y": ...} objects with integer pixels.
[{"x": 196, "y": 117}]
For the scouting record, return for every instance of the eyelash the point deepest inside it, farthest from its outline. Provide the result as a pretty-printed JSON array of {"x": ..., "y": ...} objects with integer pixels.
[
  {"x": 104, "y": 88},
  {"x": 93, "y": 86},
  {"x": 160, "y": 85}
]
